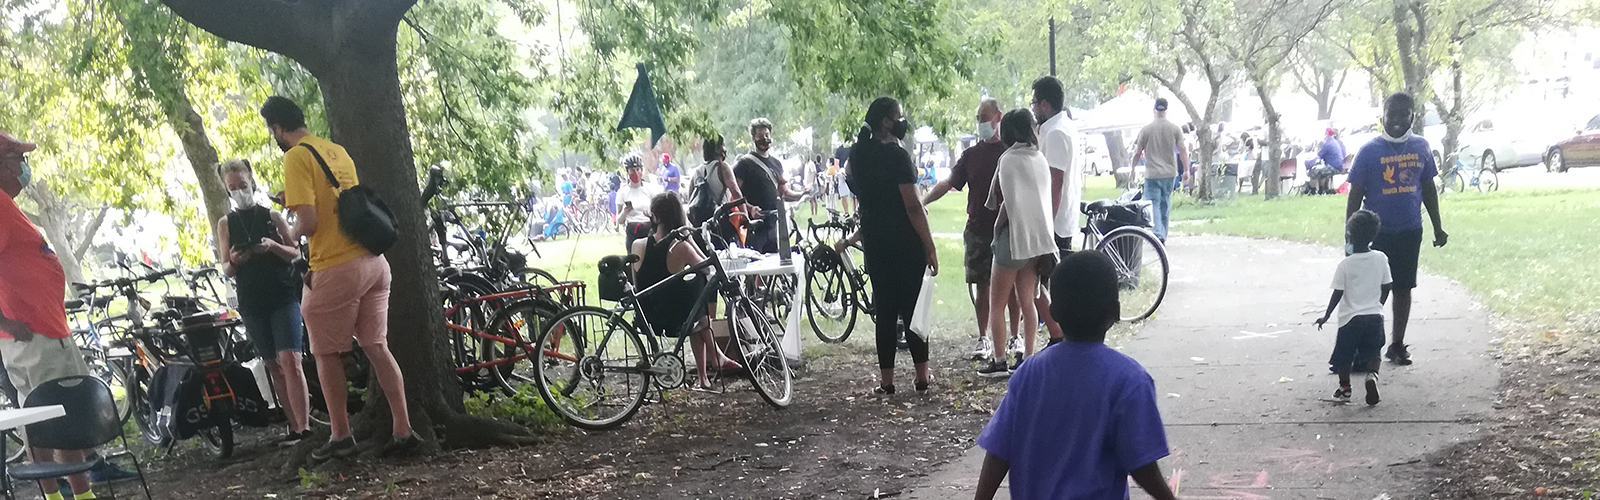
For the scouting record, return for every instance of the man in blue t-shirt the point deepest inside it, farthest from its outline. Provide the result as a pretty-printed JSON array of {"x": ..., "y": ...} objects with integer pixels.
[
  {"x": 1079, "y": 417},
  {"x": 1392, "y": 176}
]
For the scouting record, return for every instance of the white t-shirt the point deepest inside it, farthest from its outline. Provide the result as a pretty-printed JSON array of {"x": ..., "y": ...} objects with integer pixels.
[
  {"x": 1058, "y": 140},
  {"x": 640, "y": 197},
  {"x": 1362, "y": 277},
  {"x": 1023, "y": 180}
]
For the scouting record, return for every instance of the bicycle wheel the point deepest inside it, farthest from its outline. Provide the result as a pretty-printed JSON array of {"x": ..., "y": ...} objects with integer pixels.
[
  {"x": 780, "y": 296},
  {"x": 830, "y": 296},
  {"x": 536, "y": 277},
  {"x": 1142, "y": 270},
  {"x": 1451, "y": 182},
  {"x": 761, "y": 353},
  {"x": 591, "y": 368},
  {"x": 1488, "y": 181},
  {"x": 218, "y": 439},
  {"x": 521, "y": 323},
  {"x": 466, "y": 317}
]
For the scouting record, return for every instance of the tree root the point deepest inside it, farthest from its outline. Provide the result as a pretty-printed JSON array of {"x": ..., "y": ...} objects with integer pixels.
[{"x": 469, "y": 431}]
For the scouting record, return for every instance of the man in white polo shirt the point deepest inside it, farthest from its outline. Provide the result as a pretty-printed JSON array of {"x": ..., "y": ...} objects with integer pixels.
[{"x": 1058, "y": 140}]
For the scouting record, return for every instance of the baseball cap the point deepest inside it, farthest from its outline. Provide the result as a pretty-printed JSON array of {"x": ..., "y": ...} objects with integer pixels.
[
  {"x": 10, "y": 144},
  {"x": 1332, "y": 132},
  {"x": 1161, "y": 104}
]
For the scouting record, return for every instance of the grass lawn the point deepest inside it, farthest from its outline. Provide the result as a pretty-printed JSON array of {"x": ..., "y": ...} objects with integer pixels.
[
  {"x": 575, "y": 258},
  {"x": 1524, "y": 253}
]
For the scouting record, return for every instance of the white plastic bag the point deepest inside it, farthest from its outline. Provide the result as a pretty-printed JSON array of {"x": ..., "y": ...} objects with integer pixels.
[{"x": 922, "y": 316}]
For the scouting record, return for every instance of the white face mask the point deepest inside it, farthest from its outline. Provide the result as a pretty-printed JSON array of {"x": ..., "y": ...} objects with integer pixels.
[
  {"x": 242, "y": 197},
  {"x": 986, "y": 131}
]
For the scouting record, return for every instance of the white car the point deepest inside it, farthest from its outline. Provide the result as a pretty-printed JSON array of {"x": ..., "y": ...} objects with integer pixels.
[{"x": 1503, "y": 144}]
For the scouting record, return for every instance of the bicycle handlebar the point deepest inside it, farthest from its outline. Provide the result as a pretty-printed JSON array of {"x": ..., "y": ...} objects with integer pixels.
[{"x": 435, "y": 181}]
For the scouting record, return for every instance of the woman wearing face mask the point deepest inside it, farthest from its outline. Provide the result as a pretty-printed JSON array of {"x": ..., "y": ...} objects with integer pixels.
[
  {"x": 1023, "y": 234},
  {"x": 894, "y": 233},
  {"x": 254, "y": 245}
]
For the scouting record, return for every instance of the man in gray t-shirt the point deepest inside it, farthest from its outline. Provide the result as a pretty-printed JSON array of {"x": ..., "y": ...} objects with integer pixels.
[{"x": 1163, "y": 140}]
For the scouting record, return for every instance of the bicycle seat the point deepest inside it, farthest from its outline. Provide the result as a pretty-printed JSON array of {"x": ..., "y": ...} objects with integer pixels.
[
  {"x": 74, "y": 304},
  {"x": 1096, "y": 206}
]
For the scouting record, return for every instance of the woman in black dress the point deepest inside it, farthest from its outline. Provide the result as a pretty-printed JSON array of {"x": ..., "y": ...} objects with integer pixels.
[
  {"x": 659, "y": 258},
  {"x": 894, "y": 234}
]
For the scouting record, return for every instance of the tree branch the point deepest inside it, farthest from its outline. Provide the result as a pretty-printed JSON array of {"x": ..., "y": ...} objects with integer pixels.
[
  {"x": 297, "y": 30},
  {"x": 89, "y": 232}
]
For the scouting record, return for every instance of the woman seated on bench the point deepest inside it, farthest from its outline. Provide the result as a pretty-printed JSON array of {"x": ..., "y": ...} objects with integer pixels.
[{"x": 660, "y": 256}]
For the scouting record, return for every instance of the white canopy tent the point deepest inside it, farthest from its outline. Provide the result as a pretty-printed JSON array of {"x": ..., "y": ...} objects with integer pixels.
[{"x": 1129, "y": 111}]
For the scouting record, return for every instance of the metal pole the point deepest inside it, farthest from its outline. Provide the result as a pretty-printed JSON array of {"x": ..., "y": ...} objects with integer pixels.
[{"x": 1052, "y": 46}]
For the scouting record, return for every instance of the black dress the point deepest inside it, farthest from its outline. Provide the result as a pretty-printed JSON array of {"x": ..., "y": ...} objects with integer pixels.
[
  {"x": 264, "y": 282},
  {"x": 670, "y": 305}
]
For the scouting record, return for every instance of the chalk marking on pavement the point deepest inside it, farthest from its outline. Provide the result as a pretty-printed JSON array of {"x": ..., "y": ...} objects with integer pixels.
[{"x": 1254, "y": 335}]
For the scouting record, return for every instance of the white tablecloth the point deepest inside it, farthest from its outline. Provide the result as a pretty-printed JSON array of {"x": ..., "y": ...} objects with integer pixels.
[{"x": 770, "y": 265}]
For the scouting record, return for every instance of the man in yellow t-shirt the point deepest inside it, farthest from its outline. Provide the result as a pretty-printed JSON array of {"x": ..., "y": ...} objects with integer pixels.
[{"x": 346, "y": 293}]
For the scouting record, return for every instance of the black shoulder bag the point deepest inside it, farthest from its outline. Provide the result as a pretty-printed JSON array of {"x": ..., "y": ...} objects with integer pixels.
[{"x": 363, "y": 216}]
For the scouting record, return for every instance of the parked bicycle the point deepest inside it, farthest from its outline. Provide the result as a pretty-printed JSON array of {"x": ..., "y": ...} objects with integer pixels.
[
  {"x": 1119, "y": 229},
  {"x": 1463, "y": 170},
  {"x": 594, "y": 367},
  {"x": 836, "y": 288}
]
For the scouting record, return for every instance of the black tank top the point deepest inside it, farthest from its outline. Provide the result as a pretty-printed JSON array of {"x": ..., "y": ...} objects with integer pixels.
[
  {"x": 669, "y": 306},
  {"x": 263, "y": 282}
]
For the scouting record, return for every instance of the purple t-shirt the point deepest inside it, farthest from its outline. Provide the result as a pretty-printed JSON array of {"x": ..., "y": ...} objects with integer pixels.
[
  {"x": 1332, "y": 153},
  {"x": 1392, "y": 175},
  {"x": 1075, "y": 421},
  {"x": 672, "y": 172}
]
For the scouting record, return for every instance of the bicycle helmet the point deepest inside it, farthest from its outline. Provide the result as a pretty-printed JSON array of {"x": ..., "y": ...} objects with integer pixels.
[{"x": 632, "y": 160}]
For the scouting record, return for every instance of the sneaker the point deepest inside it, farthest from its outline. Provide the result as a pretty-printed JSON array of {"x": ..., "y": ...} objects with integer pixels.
[
  {"x": 995, "y": 369},
  {"x": 981, "y": 348},
  {"x": 884, "y": 390},
  {"x": 343, "y": 448},
  {"x": 398, "y": 445},
  {"x": 922, "y": 387},
  {"x": 294, "y": 438},
  {"x": 1372, "y": 389},
  {"x": 1342, "y": 395},
  {"x": 1015, "y": 344},
  {"x": 107, "y": 473},
  {"x": 1018, "y": 364},
  {"x": 1398, "y": 354}
]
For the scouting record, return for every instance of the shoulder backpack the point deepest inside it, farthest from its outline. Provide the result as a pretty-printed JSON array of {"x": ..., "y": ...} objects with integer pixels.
[
  {"x": 363, "y": 216},
  {"x": 702, "y": 202}
]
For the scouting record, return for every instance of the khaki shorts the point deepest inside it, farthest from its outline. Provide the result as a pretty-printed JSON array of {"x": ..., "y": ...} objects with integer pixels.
[{"x": 40, "y": 360}]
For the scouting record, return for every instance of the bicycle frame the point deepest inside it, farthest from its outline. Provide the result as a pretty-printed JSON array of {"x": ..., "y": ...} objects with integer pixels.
[{"x": 569, "y": 290}]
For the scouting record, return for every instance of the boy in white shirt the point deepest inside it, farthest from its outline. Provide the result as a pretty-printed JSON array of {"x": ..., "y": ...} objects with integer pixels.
[{"x": 1361, "y": 286}]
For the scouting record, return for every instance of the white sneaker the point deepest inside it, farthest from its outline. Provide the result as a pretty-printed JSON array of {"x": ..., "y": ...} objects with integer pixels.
[
  {"x": 1015, "y": 344},
  {"x": 981, "y": 348}
]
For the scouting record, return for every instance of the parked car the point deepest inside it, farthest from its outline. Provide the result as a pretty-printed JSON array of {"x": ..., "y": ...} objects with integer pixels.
[
  {"x": 1096, "y": 159},
  {"x": 1513, "y": 143},
  {"x": 1580, "y": 150}
]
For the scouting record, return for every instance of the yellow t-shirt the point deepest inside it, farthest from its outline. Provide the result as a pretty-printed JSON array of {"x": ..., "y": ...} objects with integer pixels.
[{"x": 305, "y": 184}]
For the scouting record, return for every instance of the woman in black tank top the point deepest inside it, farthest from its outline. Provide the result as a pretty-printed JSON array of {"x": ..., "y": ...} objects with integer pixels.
[
  {"x": 668, "y": 307},
  {"x": 254, "y": 243}
]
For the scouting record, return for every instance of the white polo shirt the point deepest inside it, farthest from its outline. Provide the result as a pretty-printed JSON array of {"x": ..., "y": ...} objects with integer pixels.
[{"x": 1058, "y": 140}]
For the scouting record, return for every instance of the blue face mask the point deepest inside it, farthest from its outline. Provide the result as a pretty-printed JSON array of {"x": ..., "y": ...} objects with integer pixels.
[{"x": 27, "y": 173}]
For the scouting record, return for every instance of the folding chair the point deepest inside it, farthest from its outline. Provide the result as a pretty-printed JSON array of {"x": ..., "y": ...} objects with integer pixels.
[{"x": 91, "y": 421}]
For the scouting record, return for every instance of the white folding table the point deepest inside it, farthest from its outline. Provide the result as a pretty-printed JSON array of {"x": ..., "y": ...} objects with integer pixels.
[
  {"x": 19, "y": 417},
  {"x": 771, "y": 265}
]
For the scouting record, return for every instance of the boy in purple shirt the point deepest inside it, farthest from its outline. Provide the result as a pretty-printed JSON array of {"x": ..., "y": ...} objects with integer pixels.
[
  {"x": 1079, "y": 417},
  {"x": 1393, "y": 174}
]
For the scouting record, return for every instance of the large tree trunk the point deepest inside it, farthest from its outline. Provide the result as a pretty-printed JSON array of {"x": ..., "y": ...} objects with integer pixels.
[
  {"x": 1453, "y": 113},
  {"x": 59, "y": 219},
  {"x": 1274, "y": 146},
  {"x": 1410, "y": 41},
  {"x": 202, "y": 156}
]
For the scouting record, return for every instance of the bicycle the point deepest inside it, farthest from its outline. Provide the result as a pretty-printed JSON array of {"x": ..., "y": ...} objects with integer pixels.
[
  {"x": 1116, "y": 230},
  {"x": 836, "y": 288},
  {"x": 1452, "y": 179},
  {"x": 488, "y": 327},
  {"x": 594, "y": 368}
]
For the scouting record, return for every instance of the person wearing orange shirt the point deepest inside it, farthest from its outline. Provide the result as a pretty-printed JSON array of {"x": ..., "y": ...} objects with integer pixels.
[
  {"x": 346, "y": 293},
  {"x": 34, "y": 340}
]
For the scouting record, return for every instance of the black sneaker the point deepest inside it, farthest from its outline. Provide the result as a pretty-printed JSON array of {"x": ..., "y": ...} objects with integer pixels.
[
  {"x": 1341, "y": 395},
  {"x": 398, "y": 445},
  {"x": 1398, "y": 354},
  {"x": 995, "y": 369},
  {"x": 105, "y": 473},
  {"x": 1372, "y": 389},
  {"x": 1018, "y": 364},
  {"x": 343, "y": 448},
  {"x": 922, "y": 387},
  {"x": 884, "y": 390}
]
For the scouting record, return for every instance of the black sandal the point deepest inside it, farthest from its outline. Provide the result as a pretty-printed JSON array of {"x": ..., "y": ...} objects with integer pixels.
[
  {"x": 884, "y": 389},
  {"x": 922, "y": 386}
]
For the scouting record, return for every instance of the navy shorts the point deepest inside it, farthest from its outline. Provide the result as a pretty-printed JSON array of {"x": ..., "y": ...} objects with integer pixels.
[{"x": 1359, "y": 347}]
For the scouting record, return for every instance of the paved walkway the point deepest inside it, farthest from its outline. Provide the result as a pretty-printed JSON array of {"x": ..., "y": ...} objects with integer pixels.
[{"x": 1245, "y": 390}]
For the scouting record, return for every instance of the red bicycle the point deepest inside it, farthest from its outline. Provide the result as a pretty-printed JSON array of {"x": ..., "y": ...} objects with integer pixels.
[{"x": 491, "y": 330}]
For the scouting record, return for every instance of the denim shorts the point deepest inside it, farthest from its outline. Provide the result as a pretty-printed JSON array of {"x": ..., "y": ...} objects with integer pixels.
[
  {"x": 1359, "y": 344},
  {"x": 274, "y": 330}
]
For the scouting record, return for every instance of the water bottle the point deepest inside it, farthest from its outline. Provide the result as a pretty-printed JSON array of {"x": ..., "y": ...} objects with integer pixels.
[{"x": 784, "y": 254}]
